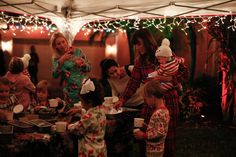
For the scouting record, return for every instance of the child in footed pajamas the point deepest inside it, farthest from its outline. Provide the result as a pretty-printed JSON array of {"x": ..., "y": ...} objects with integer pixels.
[
  {"x": 91, "y": 127},
  {"x": 157, "y": 127}
]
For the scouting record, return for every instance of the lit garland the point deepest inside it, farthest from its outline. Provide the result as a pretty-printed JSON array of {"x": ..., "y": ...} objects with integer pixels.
[
  {"x": 26, "y": 23},
  {"x": 160, "y": 23},
  {"x": 30, "y": 23}
]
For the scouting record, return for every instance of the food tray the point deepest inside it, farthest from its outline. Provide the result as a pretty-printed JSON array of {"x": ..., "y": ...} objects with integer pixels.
[
  {"x": 40, "y": 123},
  {"x": 21, "y": 126}
]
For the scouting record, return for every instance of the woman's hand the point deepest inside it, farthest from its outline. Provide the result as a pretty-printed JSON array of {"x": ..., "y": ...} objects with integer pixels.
[
  {"x": 80, "y": 62},
  {"x": 65, "y": 57},
  {"x": 71, "y": 127},
  {"x": 118, "y": 104}
]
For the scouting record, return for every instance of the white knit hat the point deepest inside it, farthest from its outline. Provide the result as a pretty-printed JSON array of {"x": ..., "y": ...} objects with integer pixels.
[
  {"x": 25, "y": 59},
  {"x": 164, "y": 50}
]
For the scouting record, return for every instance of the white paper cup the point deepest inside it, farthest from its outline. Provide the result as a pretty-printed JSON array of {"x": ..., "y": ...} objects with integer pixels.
[
  {"x": 78, "y": 104},
  {"x": 61, "y": 126},
  {"x": 135, "y": 130},
  {"x": 138, "y": 122},
  {"x": 53, "y": 102},
  {"x": 115, "y": 99},
  {"x": 108, "y": 100}
]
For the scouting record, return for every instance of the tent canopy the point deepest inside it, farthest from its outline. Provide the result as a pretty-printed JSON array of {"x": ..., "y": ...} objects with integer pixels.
[
  {"x": 89, "y": 10},
  {"x": 71, "y": 15}
]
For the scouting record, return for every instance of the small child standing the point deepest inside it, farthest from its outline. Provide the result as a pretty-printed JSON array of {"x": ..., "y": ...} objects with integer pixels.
[
  {"x": 92, "y": 124},
  {"x": 169, "y": 65},
  {"x": 7, "y": 100},
  {"x": 23, "y": 87},
  {"x": 157, "y": 127}
]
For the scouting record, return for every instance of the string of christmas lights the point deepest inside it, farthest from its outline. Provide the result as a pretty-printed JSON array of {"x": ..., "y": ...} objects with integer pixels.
[
  {"x": 29, "y": 23},
  {"x": 162, "y": 23},
  {"x": 25, "y": 23}
]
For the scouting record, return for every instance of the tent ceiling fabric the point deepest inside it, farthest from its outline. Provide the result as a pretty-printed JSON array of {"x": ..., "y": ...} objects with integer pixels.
[
  {"x": 71, "y": 15},
  {"x": 89, "y": 10}
]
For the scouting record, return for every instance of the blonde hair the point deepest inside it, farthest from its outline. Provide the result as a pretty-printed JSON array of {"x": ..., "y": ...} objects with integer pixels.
[
  {"x": 153, "y": 88},
  {"x": 53, "y": 43}
]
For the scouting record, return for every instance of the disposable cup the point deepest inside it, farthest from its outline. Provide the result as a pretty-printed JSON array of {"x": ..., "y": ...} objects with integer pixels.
[
  {"x": 135, "y": 130},
  {"x": 108, "y": 100},
  {"x": 61, "y": 126},
  {"x": 53, "y": 102},
  {"x": 138, "y": 122}
]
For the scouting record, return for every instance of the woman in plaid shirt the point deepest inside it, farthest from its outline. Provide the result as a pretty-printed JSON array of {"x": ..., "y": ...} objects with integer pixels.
[{"x": 145, "y": 63}]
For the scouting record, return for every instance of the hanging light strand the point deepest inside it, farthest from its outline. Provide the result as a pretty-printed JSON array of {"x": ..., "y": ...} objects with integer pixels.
[
  {"x": 25, "y": 23},
  {"x": 161, "y": 23},
  {"x": 30, "y": 23}
]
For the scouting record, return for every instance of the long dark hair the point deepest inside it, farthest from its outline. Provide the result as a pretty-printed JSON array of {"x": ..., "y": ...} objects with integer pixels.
[
  {"x": 149, "y": 43},
  {"x": 105, "y": 65}
]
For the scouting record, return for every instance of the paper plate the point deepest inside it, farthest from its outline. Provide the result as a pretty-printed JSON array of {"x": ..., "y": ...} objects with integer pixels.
[
  {"x": 18, "y": 108},
  {"x": 114, "y": 111}
]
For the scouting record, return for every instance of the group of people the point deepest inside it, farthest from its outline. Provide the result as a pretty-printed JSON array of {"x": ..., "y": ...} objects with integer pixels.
[
  {"x": 153, "y": 64},
  {"x": 156, "y": 96}
]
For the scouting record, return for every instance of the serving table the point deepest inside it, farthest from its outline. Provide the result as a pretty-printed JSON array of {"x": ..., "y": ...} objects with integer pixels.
[{"x": 32, "y": 136}]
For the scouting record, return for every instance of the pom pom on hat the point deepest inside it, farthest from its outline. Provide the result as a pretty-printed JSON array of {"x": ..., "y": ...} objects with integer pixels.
[
  {"x": 165, "y": 42},
  {"x": 25, "y": 59},
  {"x": 164, "y": 50}
]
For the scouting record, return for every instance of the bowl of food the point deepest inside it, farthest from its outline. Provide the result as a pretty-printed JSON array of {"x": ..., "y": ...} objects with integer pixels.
[{"x": 47, "y": 113}]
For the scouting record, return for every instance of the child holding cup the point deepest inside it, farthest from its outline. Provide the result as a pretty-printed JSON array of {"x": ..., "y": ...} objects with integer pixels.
[
  {"x": 157, "y": 127},
  {"x": 91, "y": 127},
  {"x": 42, "y": 95}
]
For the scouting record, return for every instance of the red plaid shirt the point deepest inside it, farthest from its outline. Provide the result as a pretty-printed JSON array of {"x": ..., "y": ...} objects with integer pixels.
[{"x": 138, "y": 76}]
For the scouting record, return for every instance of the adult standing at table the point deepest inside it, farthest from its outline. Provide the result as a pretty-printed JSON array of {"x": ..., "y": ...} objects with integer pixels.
[
  {"x": 33, "y": 65},
  {"x": 70, "y": 64},
  {"x": 118, "y": 77},
  {"x": 145, "y": 63}
]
